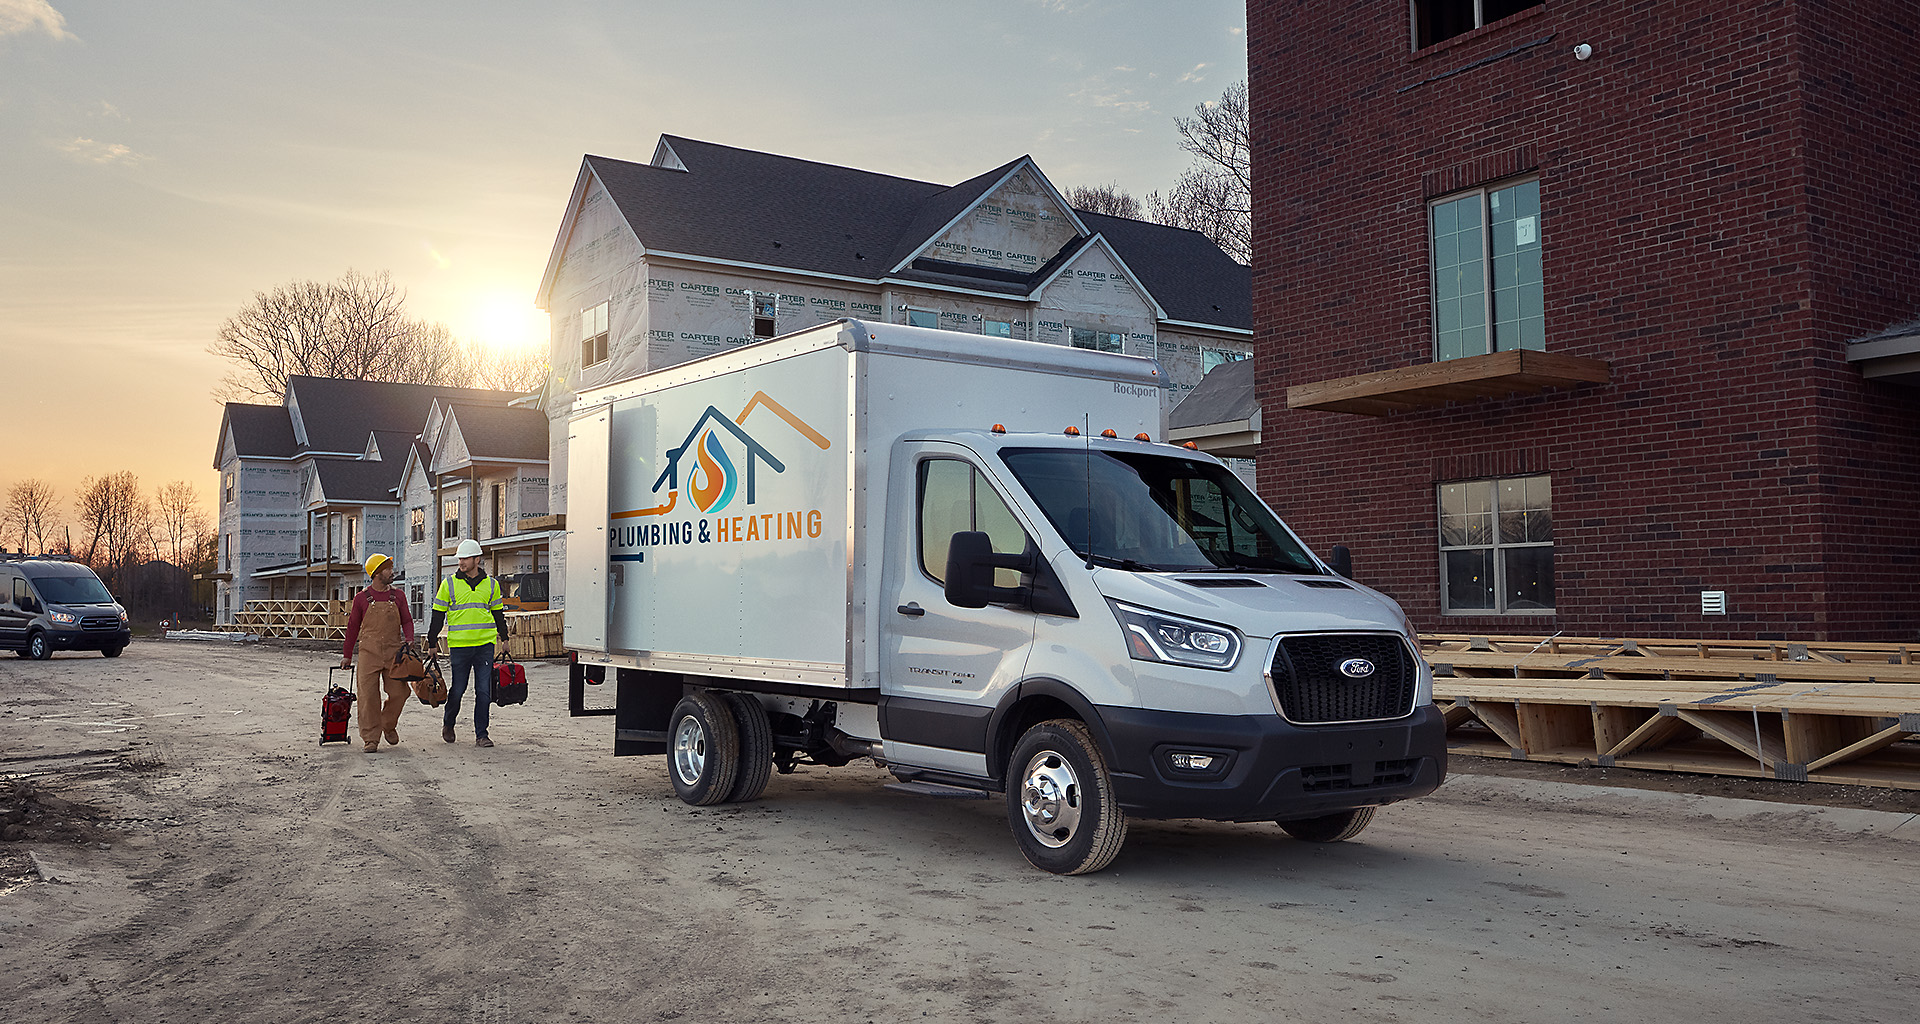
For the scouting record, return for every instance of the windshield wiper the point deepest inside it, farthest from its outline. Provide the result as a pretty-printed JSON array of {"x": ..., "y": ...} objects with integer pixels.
[{"x": 1122, "y": 563}]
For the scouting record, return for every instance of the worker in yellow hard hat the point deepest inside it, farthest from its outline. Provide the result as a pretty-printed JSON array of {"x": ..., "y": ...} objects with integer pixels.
[{"x": 379, "y": 623}]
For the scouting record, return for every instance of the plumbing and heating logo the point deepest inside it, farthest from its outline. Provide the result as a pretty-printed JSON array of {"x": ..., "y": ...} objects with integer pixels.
[{"x": 717, "y": 463}]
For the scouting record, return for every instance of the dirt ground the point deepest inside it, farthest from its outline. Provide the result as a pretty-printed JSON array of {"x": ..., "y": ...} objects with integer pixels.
[{"x": 178, "y": 846}]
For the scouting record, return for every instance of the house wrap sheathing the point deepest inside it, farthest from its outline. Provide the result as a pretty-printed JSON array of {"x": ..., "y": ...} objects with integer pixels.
[{"x": 707, "y": 248}]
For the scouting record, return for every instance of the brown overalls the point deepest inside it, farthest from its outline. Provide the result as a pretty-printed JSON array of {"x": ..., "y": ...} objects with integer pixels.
[{"x": 373, "y": 653}]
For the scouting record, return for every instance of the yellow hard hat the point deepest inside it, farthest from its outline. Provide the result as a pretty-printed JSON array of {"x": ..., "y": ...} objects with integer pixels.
[{"x": 374, "y": 562}]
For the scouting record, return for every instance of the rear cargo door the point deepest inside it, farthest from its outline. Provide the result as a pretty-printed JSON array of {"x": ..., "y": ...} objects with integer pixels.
[{"x": 943, "y": 668}]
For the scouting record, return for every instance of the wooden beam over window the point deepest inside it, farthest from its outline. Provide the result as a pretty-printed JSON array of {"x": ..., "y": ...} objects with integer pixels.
[{"x": 1428, "y": 385}]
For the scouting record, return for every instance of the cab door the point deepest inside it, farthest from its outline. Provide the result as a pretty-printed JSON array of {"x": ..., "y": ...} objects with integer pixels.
[
  {"x": 943, "y": 668},
  {"x": 15, "y": 599}
]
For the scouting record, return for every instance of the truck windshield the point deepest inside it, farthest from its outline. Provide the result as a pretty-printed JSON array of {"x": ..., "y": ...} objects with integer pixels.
[
  {"x": 72, "y": 590},
  {"x": 1150, "y": 512}
]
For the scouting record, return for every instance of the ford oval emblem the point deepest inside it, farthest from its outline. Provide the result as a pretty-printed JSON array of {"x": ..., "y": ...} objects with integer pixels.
[{"x": 1356, "y": 668}]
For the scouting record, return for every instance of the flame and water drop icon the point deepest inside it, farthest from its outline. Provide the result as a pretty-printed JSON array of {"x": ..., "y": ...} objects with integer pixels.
[{"x": 713, "y": 479}]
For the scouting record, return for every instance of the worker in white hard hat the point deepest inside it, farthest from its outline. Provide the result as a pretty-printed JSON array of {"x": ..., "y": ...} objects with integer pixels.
[
  {"x": 379, "y": 623},
  {"x": 473, "y": 610}
]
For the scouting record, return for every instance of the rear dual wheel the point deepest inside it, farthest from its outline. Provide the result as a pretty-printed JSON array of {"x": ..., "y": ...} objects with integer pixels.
[{"x": 721, "y": 748}]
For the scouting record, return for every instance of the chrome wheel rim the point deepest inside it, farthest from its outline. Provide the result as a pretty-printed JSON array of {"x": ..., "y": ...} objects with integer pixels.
[
  {"x": 689, "y": 751},
  {"x": 1050, "y": 799}
]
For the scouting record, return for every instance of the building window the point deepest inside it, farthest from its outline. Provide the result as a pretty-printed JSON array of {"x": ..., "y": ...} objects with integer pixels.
[
  {"x": 593, "y": 335},
  {"x": 1496, "y": 546},
  {"x": 419, "y": 602},
  {"x": 923, "y": 318},
  {"x": 228, "y": 486},
  {"x": 997, "y": 328},
  {"x": 765, "y": 306},
  {"x": 499, "y": 511},
  {"x": 1435, "y": 20},
  {"x": 450, "y": 519},
  {"x": 353, "y": 539},
  {"x": 1212, "y": 357},
  {"x": 226, "y": 552},
  {"x": 417, "y": 521},
  {"x": 1487, "y": 290},
  {"x": 1095, "y": 339}
]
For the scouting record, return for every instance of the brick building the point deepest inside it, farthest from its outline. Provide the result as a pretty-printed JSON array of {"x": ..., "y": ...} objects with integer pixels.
[{"x": 1586, "y": 316}]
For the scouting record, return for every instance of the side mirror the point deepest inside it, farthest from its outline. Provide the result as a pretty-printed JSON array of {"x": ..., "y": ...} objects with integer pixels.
[
  {"x": 1342, "y": 561},
  {"x": 970, "y": 564}
]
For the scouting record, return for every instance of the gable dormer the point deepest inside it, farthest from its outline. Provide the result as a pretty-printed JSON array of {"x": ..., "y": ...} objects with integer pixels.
[
  {"x": 665, "y": 158},
  {"x": 1016, "y": 226}
]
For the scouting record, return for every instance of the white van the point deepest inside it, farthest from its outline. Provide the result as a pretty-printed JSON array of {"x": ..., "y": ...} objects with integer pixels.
[{"x": 965, "y": 558}]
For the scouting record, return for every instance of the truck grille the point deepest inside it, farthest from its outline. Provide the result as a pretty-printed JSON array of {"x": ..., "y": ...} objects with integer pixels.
[
  {"x": 1329, "y": 778},
  {"x": 1310, "y": 688},
  {"x": 99, "y": 623}
]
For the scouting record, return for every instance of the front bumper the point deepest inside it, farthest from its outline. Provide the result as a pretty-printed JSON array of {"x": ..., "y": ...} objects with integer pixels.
[
  {"x": 88, "y": 639},
  {"x": 1267, "y": 769}
]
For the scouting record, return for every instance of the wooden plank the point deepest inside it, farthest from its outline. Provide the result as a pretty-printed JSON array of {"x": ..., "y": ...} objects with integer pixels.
[
  {"x": 1429, "y": 384},
  {"x": 1554, "y": 727},
  {"x": 1654, "y": 733},
  {"x": 1812, "y": 736},
  {"x": 1502, "y": 720},
  {"x": 1866, "y": 745},
  {"x": 1748, "y": 734},
  {"x": 1613, "y": 724}
]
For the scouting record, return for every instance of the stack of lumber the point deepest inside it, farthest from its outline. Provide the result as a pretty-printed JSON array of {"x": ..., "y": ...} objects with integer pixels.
[
  {"x": 300, "y": 620},
  {"x": 1840, "y": 713},
  {"x": 535, "y": 634}
]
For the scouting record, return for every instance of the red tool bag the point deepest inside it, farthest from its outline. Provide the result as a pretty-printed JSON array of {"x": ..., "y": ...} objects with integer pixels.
[
  {"x": 509, "y": 682},
  {"x": 336, "y": 710}
]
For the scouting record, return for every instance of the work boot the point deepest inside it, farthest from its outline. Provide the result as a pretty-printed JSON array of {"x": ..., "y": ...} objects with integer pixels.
[
  {"x": 393, "y": 737},
  {"x": 482, "y": 741},
  {"x": 446, "y": 733},
  {"x": 374, "y": 747}
]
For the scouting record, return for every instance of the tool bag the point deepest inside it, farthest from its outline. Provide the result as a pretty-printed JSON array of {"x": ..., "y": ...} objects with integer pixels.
[
  {"x": 431, "y": 685},
  {"x": 336, "y": 710},
  {"x": 407, "y": 663},
  {"x": 509, "y": 681}
]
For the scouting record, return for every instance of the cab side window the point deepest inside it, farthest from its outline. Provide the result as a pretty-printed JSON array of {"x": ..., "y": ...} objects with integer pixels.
[
  {"x": 21, "y": 598},
  {"x": 956, "y": 497}
]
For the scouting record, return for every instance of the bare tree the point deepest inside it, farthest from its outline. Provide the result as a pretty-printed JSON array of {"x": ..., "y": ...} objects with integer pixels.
[
  {"x": 1215, "y": 195},
  {"x": 178, "y": 519},
  {"x": 355, "y": 328},
  {"x": 31, "y": 505},
  {"x": 482, "y": 366},
  {"x": 117, "y": 519},
  {"x": 1109, "y": 199}
]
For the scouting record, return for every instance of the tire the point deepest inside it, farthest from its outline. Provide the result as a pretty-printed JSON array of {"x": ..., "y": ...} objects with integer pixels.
[
  {"x": 703, "y": 749},
  {"x": 1331, "y": 828},
  {"x": 1060, "y": 802},
  {"x": 38, "y": 648},
  {"x": 756, "y": 748},
  {"x": 111, "y": 652}
]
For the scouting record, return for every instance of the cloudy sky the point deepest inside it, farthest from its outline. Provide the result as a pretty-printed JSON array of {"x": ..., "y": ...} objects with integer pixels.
[{"x": 163, "y": 160}]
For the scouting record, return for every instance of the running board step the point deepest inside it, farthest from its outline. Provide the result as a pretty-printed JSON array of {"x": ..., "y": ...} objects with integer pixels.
[{"x": 940, "y": 790}]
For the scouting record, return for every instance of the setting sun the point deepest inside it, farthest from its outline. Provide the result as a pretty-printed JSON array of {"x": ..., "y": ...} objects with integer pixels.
[{"x": 505, "y": 321}]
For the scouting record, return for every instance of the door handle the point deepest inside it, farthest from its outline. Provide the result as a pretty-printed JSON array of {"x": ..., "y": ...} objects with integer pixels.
[{"x": 911, "y": 608}]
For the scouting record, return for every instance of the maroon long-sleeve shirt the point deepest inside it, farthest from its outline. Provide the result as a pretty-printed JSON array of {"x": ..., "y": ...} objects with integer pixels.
[{"x": 367, "y": 596}]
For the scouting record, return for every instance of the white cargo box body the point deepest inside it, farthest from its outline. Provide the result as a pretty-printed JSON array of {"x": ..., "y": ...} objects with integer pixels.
[{"x": 743, "y": 491}]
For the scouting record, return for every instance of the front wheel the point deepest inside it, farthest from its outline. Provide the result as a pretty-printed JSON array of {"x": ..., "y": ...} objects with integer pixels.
[
  {"x": 38, "y": 648},
  {"x": 111, "y": 652},
  {"x": 1331, "y": 828},
  {"x": 1060, "y": 800},
  {"x": 705, "y": 753}
]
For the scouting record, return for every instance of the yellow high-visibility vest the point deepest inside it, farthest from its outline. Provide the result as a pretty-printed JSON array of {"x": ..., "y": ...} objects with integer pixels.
[{"x": 469, "y": 610}]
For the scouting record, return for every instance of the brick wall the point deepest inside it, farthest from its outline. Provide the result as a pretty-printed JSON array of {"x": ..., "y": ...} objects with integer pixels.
[{"x": 1727, "y": 196}]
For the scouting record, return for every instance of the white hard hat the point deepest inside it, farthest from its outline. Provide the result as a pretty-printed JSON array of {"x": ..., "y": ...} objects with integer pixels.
[{"x": 469, "y": 548}]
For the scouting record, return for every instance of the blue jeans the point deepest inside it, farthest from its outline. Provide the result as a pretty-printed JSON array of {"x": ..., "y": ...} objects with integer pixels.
[{"x": 477, "y": 662}]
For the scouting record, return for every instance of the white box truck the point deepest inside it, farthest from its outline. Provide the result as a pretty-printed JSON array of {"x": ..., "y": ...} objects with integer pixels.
[{"x": 964, "y": 558}]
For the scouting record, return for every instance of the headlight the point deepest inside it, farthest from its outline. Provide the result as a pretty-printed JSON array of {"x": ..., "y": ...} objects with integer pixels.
[
  {"x": 1152, "y": 636},
  {"x": 64, "y": 618}
]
